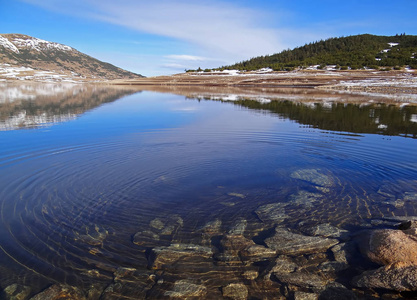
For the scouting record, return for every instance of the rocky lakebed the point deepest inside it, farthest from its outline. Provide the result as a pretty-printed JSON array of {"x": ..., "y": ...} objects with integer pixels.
[{"x": 269, "y": 255}]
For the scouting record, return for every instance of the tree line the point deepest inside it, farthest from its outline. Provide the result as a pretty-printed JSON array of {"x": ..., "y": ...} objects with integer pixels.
[{"x": 352, "y": 52}]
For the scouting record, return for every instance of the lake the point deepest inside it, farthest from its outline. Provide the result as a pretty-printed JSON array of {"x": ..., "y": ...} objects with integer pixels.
[{"x": 120, "y": 192}]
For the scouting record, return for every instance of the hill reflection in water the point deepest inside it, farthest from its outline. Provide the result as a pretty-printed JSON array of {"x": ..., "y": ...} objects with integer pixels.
[{"x": 33, "y": 105}]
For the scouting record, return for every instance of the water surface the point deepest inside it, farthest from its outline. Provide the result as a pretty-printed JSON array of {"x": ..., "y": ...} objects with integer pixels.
[{"x": 93, "y": 179}]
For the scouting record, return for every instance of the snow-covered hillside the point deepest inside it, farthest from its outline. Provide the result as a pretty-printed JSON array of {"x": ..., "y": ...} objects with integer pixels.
[{"x": 23, "y": 57}]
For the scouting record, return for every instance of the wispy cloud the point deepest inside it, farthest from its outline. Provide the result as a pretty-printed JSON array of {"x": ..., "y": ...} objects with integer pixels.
[
  {"x": 212, "y": 26},
  {"x": 186, "y": 57}
]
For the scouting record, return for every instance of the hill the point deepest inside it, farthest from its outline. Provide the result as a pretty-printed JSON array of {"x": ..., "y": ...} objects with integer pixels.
[
  {"x": 352, "y": 52},
  {"x": 26, "y": 57}
]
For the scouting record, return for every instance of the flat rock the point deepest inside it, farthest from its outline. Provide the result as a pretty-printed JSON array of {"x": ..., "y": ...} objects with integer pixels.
[
  {"x": 298, "y": 295},
  {"x": 257, "y": 253},
  {"x": 333, "y": 266},
  {"x": 302, "y": 279},
  {"x": 337, "y": 291},
  {"x": 287, "y": 242},
  {"x": 238, "y": 228},
  {"x": 236, "y": 291},
  {"x": 211, "y": 228},
  {"x": 185, "y": 289},
  {"x": 315, "y": 176},
  {"x": 397, "y": 277},
  {"x": 145, "y": 237},
  {"x": 284, "y": 264},
  {"x": 250, "y": 274},
  {"x": 175, "y": 252},
  {"x": 326, "y": 230},
  {"x": 60, "y": 291},
  {"x": 274, "y": 212},
  {"x": 17, "y": 292},
  {"x": 94, "y": 236},
  {"x": 157, "y": 224},
  {"x": 389, "y": 246},
  {"x": 305, "y": 199}
]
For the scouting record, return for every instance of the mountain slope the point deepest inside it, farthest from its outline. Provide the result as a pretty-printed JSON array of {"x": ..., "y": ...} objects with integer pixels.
[
  {"x": 354, "y": 51},
  {"x": 38, "y": 58}
]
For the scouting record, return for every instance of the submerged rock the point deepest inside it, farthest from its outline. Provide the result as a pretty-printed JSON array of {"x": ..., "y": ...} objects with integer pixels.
[
  {"x": 287, "y": 242},
  {"x": 185, "y": 289},
  {"x": 232, "y": 246},
  {"x": 94, "y": 236},
  {"x": 344, "y": 252},
  {"x": 283, "y": 265},
  {"x": 257, "y": 253},
  {"x": 410, "y": 196},
  {"x": 325, "y": 230},
  {"x": 398, "y": 277},
  {"x": 302, "y": 279},
  {"x": 168, "y": 255},
  {"x": 60, "y": 291},
  {"x": 333, "y": 266},
  {"x": 274, "y": 212},
  {"x": 236, "y": 291},
  {"x": 298, "y": 295},
  {"x": 17, "y": 292},
  {"x": 389, "y": 246},
  {"x": 250, "y": 274},
  {"x": 157, "y": 224},
  {"x": 305, "y": 199},
  {"x": 157, "y": 227},
  {"x": 238, "y": 228},
  {"x": 337, "y": 291},
  {"x": 143, "y": 237},
  {"x": 211, "y": 228},
  {"x": 315, "y": 176},
  {"x": 236, "y": 195}
]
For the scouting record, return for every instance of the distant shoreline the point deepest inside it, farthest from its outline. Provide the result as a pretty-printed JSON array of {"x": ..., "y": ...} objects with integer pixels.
[{"x": 363, "y": 80}]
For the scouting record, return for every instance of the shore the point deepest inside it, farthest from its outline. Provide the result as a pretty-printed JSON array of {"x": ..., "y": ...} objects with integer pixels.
[
  {"x": 386, "y": 86},
  {"x": 402, "y": 81}
]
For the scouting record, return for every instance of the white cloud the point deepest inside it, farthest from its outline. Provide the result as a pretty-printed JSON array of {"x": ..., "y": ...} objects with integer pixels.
[
  {"x": 224, "y": 30},
  {"x": 173, "y": 66},
  {"x": 186, "y": 57}
]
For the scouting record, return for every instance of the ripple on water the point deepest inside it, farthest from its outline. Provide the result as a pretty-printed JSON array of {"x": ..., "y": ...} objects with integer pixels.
[{"x": 80, "y": 213}]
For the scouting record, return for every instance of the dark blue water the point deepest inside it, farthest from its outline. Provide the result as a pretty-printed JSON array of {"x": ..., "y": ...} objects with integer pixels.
[{"x": 74, "y": 193}]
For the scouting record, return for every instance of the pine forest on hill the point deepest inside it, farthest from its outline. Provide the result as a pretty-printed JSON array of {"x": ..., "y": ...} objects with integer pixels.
[{"x": 352, "y": 52}]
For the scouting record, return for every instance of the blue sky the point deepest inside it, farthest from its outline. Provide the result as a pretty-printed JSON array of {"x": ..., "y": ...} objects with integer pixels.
[{"x": 167, "y": 36}]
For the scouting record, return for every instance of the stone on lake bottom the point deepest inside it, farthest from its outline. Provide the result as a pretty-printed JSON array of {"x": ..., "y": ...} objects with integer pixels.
[
  {"x": 326, "y": 230},
  {"x": 274, "y": 212},
  {"x": 168, "y": 255},
  {"x": 236, "y": 291},
  {"x": 185, "y": 289},
  {"x": 314, "y": 176},
  {"x": 298, "y": 295},
  {"x": 389, "y": 246},
  {"x": 286, "y": 242},
  {"x": 59, "y": 291},
  {"x": 17, "y": 292},
  {"x": 395, "y": 277}
]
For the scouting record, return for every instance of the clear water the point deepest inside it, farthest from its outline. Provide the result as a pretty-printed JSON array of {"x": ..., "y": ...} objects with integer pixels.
[{"x": 79, "y": 182}]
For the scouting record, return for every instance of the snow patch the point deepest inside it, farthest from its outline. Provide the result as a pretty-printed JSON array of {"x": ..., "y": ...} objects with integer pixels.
[
  {"x": 39, "y": 45},
  {"x": 264, "y": 70},
  {"x": 8, "y": 45}
]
